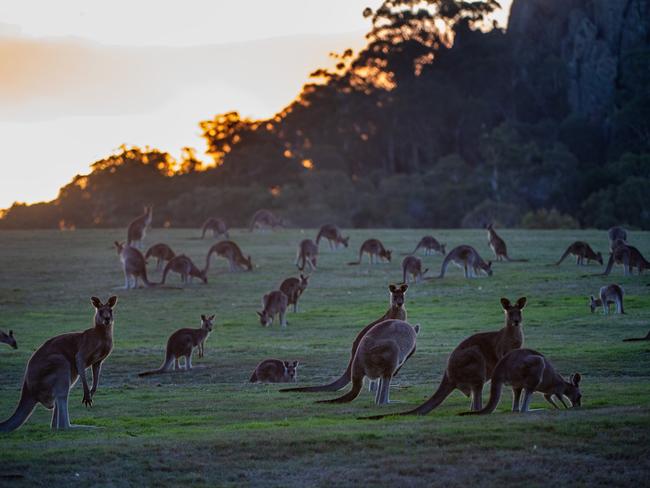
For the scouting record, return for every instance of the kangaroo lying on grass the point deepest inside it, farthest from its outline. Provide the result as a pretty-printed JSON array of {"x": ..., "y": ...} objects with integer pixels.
[
  {"x": 530, "y": 371},
  {"x": 307, "y": 254},
  {"x": 231, "y": 251},
  {"x": 161, "y": 252},
  {"x": 333, "y": 235},
  {"x": 186, "y": 268},
  {"x": 375, "y": 249},
  {"x": 395, "y": 311},
  {"x": 217, "y": 226},
  {"x": 628, "y": 256},
  {"x": 275, "y": 371},
  {"x": 611, "y": 294},
  {"x": 472, "y": 362},
  {"x": 274, "y": 303},
  {"x": 138, "y": 228},
  {"x": 265, "y": 219},
  {"x": 8, "y": 339},
  {"x": 468, "y": 258},
  {"x": 134, "y": 266},
  {"x": 56, "y": 366},
  {"x": 412, "y": 267},
  {"x": 581, "y": 250},
  {"x": 616, "y": 234},
  {"x": 498, "y": 246},
  {"x": 293, "y": 288},
  {"x": 429, "y": 244},
  {"x": 181, "y": 344},
  {"x": 381, "y": 353}
]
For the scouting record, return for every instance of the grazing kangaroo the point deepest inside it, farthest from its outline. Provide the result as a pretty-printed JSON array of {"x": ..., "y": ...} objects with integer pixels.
[
  {"x": 472, "y": 362},
  {"x": 581, "y": 250},
  {"x": 530, "y": 371},
  {"x": 616, "y": 234},
  {"x": 628, "y": 256},
  {"x": 161, "y": 252},
  {"x": 333, "y": 235},
  {"x": 611, "y": 294},
  {"x": 374, "y": 248},
  {"x": 396, "y": 311},
  {"x": 412, "y": 267},
  {"x": 429, "y": 244},
  {"x": 468, "y": 258},
  {"x": 138, "y": 228},
  {"x": 498, "y": 246},
  {"x": 234, "y": 255},
  {"x": 293, "y": 288},
  {"x": 265, "y": 219},
  {"x": 381, "y": 353},
  {"x": 134, "y": 266},
  {"x": 181, "y": 344},
  {"x": 217, "y": 226},
  {"x": 56, "y": 366},
  {"x": 8, "y": 338},
  {"x": 307, "y": 254},
  {"x": 274, "y": 303},
  {"x": 275, "y": 371},
  {"x": 634, "y": 339},
  {"x": 186, "y": 268}
]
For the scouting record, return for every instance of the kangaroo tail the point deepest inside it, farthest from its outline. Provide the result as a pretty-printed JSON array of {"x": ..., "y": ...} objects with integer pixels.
[
  {"x": 165, "y": 367},
  {"x": 634, "y": 339},
  {"x": 24, "y": 409},
  {"x": 357, "y": 383},
  {"x": 253, "y": 378},
  {"x": 510, "y": 260},
  {"x": 335, "y": 385},
  {"x": 145, "y": 279},
  {"x": 353, "y": 263},
  {"x": 495, "y": 396}
]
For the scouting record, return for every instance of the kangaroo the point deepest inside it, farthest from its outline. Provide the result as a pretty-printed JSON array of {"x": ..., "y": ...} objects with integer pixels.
[
  {"x": 498, "y": 246},
  {"x": 629, "y": 256},
  {"x": 634, "y": 339},
  {"x": 616, "y": 234},
  {"x": 273, "y": 303},
  {"x": 217, "y": 226},
  {"x": 186, "y": 268},
  {"x": 307, "y": 254},
  {"x": 275, "y": 371},
  {"x": 293, "y": 288},
  {"x": 412, "y": 266},
  {"x": 468, "y": 258},
  {"x": 138, "y": 228},
  {"x": 381, "y": 353},
  {"x": 581, "y": 250},
  {"x": 234, "y": 255},
  {"x": 333, "y": 235},
  {"x": 162, "y": 252},
  {"x": 181, "y": 344},
  {"x": 472, "y": 362},
  {"x": 396, "y": 311},
  {"x": 374, "y": 248},
  {"x": 134, "y": 266},
  {"x": 530, "y": 371},
  {"x": 56, "y": 366},
  {"x": 430, "y": 244},
  {"x": 8, "y": 339},
  {"x": 265, "y": 219},
  {"x": 612, "y": 294}
]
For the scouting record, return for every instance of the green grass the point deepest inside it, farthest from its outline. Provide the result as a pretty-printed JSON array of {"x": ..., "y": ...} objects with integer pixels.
[{"x": 210, "y": 427}]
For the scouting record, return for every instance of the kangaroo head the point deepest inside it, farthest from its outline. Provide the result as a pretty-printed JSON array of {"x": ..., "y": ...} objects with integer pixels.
[
  {"x": 387, "y": 254},
  {"x": 572, "y": 389},
  {"x": 119, "y": 246},
  {"x": 203, "y": 275},
  {"x": 207, "y": 322},
  {"x": 593, "y": 303},
  {"x": 345, "y": 241},
  {"x": 442, "y": 249},
  {"x": 9, "y": 339},
  {"x": 265, "y": 318},
  {"x": 397, "y": 294},
  {"x": 103, "y": 312},
  {"x": 599, "y": 258},
  {"x": 487, "y": 267},
  {"x": 248, "y": 262},
  {"x": 488, "y": 227},
  {"x": 291, "y": 370},
  {"x": 304, "y": 281},
  {"x": 513, "y": 313}
]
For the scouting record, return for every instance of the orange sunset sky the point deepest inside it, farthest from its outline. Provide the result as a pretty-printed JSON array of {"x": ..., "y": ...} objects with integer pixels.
[{"x": 79, "y": 78}]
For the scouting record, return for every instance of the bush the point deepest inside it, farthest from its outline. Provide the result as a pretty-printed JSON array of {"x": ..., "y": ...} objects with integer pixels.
[
  {"x": 490, "y": 212},
  {"x": 545, "y": 219}
]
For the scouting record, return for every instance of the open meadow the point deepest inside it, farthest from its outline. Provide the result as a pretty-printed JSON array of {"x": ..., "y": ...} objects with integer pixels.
[{"x": 211, "y": 427}]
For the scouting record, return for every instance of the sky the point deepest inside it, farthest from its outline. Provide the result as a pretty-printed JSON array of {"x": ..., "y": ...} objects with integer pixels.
[{"x": 79, "y": 78}]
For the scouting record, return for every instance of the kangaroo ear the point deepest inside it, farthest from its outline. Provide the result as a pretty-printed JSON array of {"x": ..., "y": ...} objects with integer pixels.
[
  {"x": 295, "y": 363},
  {"x": 521, "y": 303},
  {"x": 575, "y": 379},
  {"x": 11, "y": 333},
  {"x": 505, "y": 303},
  {"x": 286, "y": 364},
  {"x": 96, "y": 302},
  {"x": 416, "y": 327},
  {"x": 392, "y": 288},
  {"x": 211, "y": 317},
  {"x": 203, "y": 317},
  {"x": 112, "y": 301},
  {"x": 259, "y": 313},
  {"x": 489, "y": 264},
  {"x": 404, "y": 287}
]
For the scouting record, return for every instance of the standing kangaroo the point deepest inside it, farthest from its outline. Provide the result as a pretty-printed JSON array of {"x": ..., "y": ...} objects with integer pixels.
[
  {"x": 530, "y": 371},
  {"x": 161, "y": 252},
  {"x": 273, "y": 303},
  {"x": 395, "y": 311},
  {"x": 333, "y": 235},
  {"x": 581, "y": 250},
  {"x": 472, "y": 362},
  {"x": 56, "y": 366},
  {"x": 616, "y": 234},
  {"x": 429, "y": 244},
  {"x": 293, "y": 288},
  {"x": 498, "y": 246},
  {"x": 265, "y": 219},
  {"x": 468, "y": 258},
  {"x": 133, "y": 265},
  {"x": 186, "y": 268},
  {"x": 275, "y": 371},
  {"x": 374, "y": 248},
  {"x": 628, "y": 256},
  {"x": 138, "y": 228},
  {"x": 217, "y": 226},
  {"x": 8, "y": 339},
  {"x": 181, "y": 344},
  {"x": 383, "y": 350},
  {"x": 611, "y": 294},
  {"x": 412, "y": 267},
  {"x": 231, "y": 251},
  {"x": 307, "y": 254}
]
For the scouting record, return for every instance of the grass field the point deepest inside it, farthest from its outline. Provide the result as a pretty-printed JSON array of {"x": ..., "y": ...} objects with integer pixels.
[{"x": 211, "y": 427}]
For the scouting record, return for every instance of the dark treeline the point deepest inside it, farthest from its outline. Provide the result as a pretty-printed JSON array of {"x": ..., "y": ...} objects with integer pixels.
[{"x": 438, "y": 122}]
